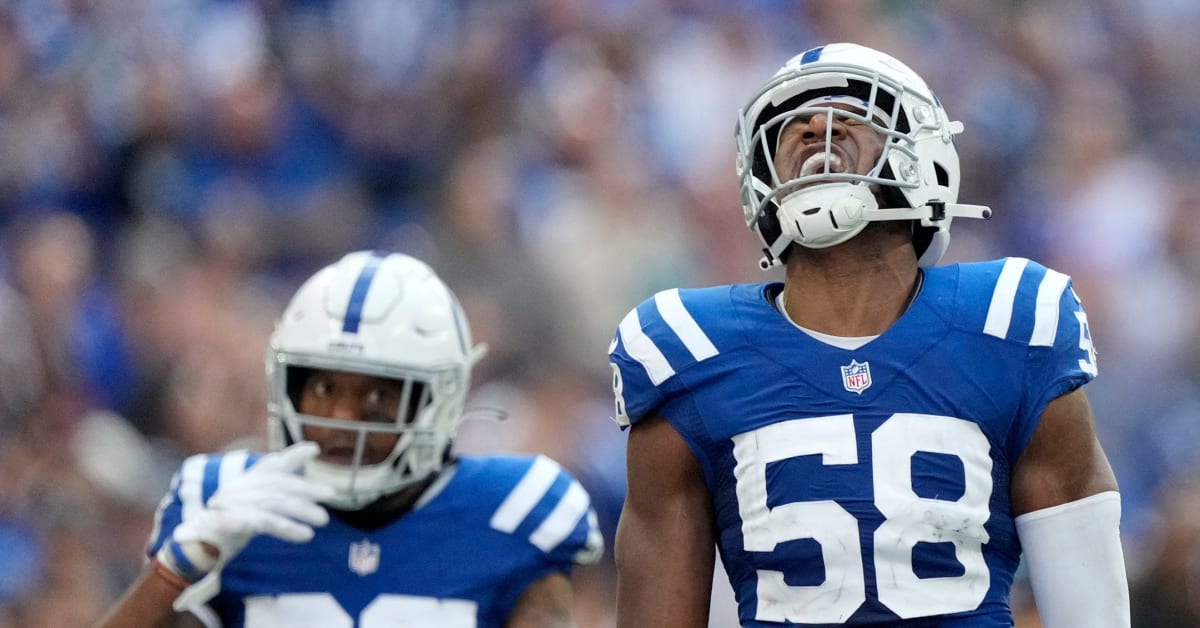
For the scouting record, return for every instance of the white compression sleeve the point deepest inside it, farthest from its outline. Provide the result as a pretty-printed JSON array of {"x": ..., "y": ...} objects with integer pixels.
[{"x": 1076, "y": 566}]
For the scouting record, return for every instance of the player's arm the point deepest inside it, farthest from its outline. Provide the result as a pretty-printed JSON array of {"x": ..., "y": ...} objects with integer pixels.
[
  {"x": 1068, "y": 513},
  {"x": 148, "y": 602},
  {"x": 547, "y": 603},
  {"x": 666, "y": 534},
  {"x": 1063, "y": 461},
  {"x": 268, "y": 498}
]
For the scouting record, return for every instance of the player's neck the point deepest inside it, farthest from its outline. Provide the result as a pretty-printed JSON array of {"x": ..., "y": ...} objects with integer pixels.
[
  {"x": 858, "y": 288},
  {"x": 387, "y": 508}
]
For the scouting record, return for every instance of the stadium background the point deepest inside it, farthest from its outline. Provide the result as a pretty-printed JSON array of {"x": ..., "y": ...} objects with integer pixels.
[{"x": 171, "y": 169}]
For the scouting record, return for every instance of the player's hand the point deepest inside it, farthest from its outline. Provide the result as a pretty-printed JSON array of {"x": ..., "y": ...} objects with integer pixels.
[{"x": 270, "y": 498}]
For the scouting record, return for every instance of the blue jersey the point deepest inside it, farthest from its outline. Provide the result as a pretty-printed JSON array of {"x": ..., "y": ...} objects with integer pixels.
[
  {"x": 482, "y": 533},
  {"x": 863, "y": 486}
]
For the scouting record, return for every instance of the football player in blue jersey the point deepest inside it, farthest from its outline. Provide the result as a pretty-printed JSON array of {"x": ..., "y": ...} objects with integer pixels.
[
  {"x": 876, "y": 441},
  {"x": 359, "y": 516}
]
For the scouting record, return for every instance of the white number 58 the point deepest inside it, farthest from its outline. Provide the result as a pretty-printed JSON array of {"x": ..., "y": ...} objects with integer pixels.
[{"x": 908, "y": 518}]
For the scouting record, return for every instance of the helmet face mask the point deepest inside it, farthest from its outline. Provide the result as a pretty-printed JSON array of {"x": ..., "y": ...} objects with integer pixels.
[
  {"x": 849, "y": 84},
  {"x": 381, "y": 316}
]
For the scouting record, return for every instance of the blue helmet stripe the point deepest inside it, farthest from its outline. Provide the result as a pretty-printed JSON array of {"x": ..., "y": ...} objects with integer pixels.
[
  {"x": 812, "y": 55},
  {"x": 358, "y": 296}
]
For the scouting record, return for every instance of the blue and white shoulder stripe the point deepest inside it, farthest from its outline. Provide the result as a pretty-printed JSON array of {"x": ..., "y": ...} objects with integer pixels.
[
  {"x": 1024, "y": 300},
  {"x": 662, "y": 334},
  {"x": 551, "y": 509}
]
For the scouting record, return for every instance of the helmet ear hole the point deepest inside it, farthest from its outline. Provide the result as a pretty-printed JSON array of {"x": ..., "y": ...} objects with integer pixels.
[{"x": 943, "y": 177}]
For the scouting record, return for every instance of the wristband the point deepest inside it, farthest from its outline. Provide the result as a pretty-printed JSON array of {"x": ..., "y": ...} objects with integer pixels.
[
  {"x": 189, "y": 561},
  {"x": 166, "y": 573}
]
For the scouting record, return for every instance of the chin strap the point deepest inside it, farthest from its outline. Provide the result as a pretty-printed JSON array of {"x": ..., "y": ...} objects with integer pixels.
[{"x": 931, "y": 214}]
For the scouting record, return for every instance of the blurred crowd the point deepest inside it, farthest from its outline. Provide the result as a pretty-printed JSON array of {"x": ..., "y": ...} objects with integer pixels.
[{"x": 170, "y": 170}]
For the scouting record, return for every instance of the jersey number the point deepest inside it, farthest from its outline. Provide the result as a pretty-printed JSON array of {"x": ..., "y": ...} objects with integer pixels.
[
  {"x": 321, "y": 610},
  {"x": 908, "y": 518}
]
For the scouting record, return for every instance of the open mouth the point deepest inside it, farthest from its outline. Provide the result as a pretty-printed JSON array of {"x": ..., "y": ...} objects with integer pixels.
[
  {"x": 338, "y": 455},
  {"x": 817, "y": 163}
]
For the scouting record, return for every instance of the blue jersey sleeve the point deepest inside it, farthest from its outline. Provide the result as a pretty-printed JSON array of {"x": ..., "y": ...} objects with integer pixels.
[
  {"x": 1036, "y": 307},
  {"x": 658, "y": 338},
  {"x": 1063, "y": 357},
  {"x": 638, "y": 368},
  {"x": 552, "y": 511}
]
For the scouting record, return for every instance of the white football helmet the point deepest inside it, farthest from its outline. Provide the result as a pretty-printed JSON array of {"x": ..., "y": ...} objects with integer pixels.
[
  {"x": 917, "y": 171},
  {"x": 384, "y": 315}
]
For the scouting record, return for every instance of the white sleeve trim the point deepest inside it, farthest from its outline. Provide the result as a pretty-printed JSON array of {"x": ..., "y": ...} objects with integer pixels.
[
  {"x": 1045, "y": 314},
  {"x": 1076, "y": 565},
  {"x": 641, "y": 347},
  {"x": 671, "y": 307},
  {"x": 1004, "y": 296}
]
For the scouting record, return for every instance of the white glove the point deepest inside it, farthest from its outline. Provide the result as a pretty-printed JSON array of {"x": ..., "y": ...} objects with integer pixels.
[{"x": 269, "y": 498}]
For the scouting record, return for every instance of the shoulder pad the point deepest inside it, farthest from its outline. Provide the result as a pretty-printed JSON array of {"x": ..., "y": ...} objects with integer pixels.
[
  {"x": 1018, "y": 300},
  {"x": 663, "y": 320},
  {"x": 552, "y": 509}
]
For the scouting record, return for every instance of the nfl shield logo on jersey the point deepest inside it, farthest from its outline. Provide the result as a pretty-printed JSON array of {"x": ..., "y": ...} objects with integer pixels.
[
  {"x": 856, "y": 377},
  {"x": 364, "y": 557}
]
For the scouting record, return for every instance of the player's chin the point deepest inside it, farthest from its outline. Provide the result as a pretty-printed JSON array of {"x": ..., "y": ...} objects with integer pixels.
[{"x": 338, "y": 456}]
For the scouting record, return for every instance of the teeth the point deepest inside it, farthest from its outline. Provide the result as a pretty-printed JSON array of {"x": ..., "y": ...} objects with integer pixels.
[{"x": 816, "y": 164}]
